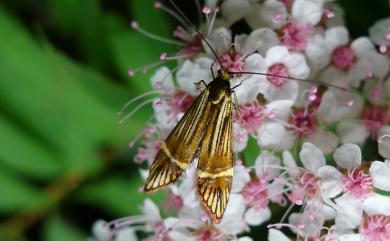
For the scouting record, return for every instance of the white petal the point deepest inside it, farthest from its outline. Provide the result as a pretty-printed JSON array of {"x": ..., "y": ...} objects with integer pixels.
[
  {"x": 289, "y": 162},
  {"x": 276, "y": 55},
  {"x": 280, "y": 108},
  {"x": 245, "y": 239},
  {"x": 311, "y": 157},
  {"x": 350, "y": 237},
  {"x": 297, "y": 66},
  {"x": 240, "y": 178},
  {"x": 261, "y": 40},
  {"x": 318, "y": 51},
  {"x": 377, "y": 204},
  {"x": 276, "y": 235},
  {"x": 262, "y": 15},
  {"x": 325, "y": 140},
  {"x": 234, "y": 10},
  {"x": 151, "y": 211},
  {"x": 220, "y": 40},
  {"x": 178, "y": 236},
  {"x": 192, "y": 72},
  {"x": 127, "y": 234},
  {"x": 362, "y": 47},
  {"x": 384, "y": 142},
  {"x": 263, "y": 163},
  {"x": 287, "y": 91},
  {"x": 331, "y": 184},
  {"x": 235, "y": 207},
  {"x": 378, "y": 30},
  {"x": 348, "y": 156},
  {"x": 162, "y": 81},
  {"x": 336, "y": 36},
  {"x": 270, "y": 134},
  {"x": 380, "y": 174},
  {"x": 352, "y": 132},
  {"x": 349, "y": 212},
  {"x": 256, "y": 217},
  {"x": 233, "y": 222},
  {"x": 100, "y": 230},
  {"x": 307, "y": 11}
]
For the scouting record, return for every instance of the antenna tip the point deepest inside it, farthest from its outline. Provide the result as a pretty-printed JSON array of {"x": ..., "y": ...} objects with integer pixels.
[{"x": 134, "y": 24}]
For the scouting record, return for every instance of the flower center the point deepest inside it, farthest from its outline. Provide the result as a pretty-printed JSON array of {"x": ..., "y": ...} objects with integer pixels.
[
  {"x": 343, "y": 58},
  {"x": 357, "y": 183},
  {"x": 304, "y": 122},
  {"x": 278, "y": 70},
  {"x": 174, "y": 202},
  {"x": 251, "y": 116},
  {"x": 232, "y": 62},
  {"x": 207, "y": 234},
  {"x": 374, "y": 117},
  {"x": 376, "y": 228},
  {"x": 181, "y": 102},
  {"x": 294, "y": 36},
  {"x": 255, "y": 193}
]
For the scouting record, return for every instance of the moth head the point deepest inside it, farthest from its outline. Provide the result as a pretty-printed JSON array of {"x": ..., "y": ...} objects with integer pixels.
[{"x": 224, "y": 74}]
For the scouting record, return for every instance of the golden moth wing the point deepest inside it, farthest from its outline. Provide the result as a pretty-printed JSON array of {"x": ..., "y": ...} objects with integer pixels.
[
  {"x": 178, "y": 150},
  {"x": 215, "y": 168}
]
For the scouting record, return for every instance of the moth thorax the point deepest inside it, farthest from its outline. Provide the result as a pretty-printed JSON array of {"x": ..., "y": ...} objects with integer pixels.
[{"x": 217, "y": 95}]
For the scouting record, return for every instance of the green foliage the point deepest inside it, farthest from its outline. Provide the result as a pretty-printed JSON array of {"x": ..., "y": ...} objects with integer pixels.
[{"x": 59, "y": 127}]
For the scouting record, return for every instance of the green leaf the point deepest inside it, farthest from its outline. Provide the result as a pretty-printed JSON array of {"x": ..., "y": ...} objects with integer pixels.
[
  {"x": 15, "y": 194},
  {"x": 58, "y": 229},
  {"x": 117, "y": 195},
  {"x": 23, "y": 152}
]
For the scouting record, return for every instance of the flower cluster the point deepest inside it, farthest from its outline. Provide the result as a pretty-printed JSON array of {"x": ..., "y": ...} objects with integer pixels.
[{"x": 319, "y": 99}]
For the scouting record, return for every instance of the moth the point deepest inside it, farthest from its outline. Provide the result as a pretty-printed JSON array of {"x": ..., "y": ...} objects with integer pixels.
[{"x": 204, "y": 132}]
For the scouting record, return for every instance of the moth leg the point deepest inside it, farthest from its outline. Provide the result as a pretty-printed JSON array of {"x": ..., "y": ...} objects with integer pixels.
[
  {"x": 197, "y": 84},
  {"x": 211, "y": 69},
  {"x": 235, "y": 103}
]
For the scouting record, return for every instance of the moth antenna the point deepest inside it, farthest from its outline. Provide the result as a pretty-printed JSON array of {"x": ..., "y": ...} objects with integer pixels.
[
  {"x": 304, "y": 80},
  {"x": 210, "y": 47}
]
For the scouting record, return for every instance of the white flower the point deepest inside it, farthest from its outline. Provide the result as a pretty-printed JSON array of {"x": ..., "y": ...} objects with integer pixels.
[
  {"x": 280, "y": 62},
  {"x": 257, "y": 192},
  {"x": 276, "y": 235},
  {"x": 351, "y": 63}
]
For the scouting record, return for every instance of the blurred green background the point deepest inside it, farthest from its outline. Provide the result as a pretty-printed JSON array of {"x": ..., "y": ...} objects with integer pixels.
[{"x": 64, "y": 158}]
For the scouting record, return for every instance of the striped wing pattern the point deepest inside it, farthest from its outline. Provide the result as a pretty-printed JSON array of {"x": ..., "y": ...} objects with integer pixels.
[
  {"x": 178, "y": 150},
  {"x": 215, "y": 169}
]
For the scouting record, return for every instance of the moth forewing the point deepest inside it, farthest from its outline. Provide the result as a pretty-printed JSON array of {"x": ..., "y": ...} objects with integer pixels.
[
  {"x": 180, "y": 147},
  {"x": 215, "y": 167}
]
